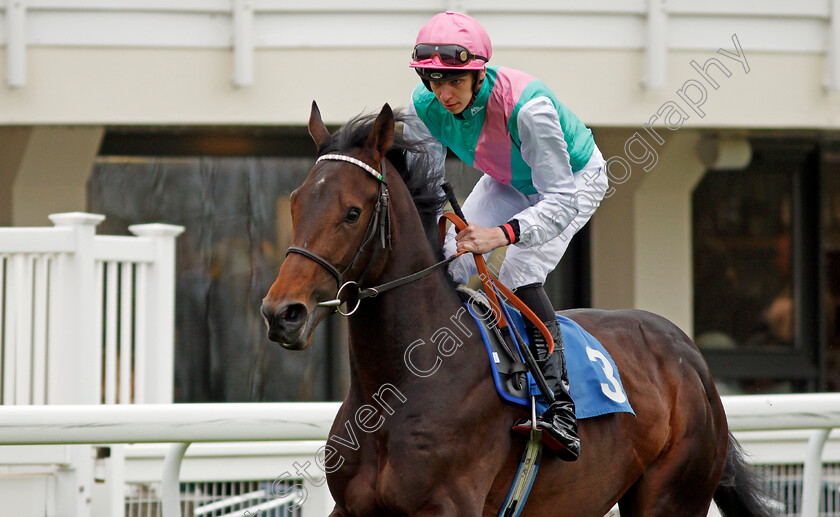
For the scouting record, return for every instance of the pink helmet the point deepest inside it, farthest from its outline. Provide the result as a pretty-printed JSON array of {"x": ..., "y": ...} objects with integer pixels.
[{"x": 453, "y": 42}]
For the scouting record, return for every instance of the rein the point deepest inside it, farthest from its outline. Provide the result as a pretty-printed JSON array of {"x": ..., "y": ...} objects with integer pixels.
[
  {"x": 380, "y": 224},
  {"x": 372, "y": 292}
]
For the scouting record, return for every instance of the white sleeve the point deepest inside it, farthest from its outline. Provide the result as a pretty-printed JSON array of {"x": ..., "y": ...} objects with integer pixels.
[
  {"x": 416, "y": 131},
  {"x": 544, "y": 149}
]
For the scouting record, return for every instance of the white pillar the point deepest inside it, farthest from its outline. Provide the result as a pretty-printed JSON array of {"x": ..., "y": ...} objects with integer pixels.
[
  {"x": 662, "y": 266},
  {"x": 157, "y": 366},
  {"x": 243, "y": 42},
  {"x": 833, "y": 53},
  {"x": 16, "y": 43},
  {"x": 14, "y": 142},
  {"x": 656, "y": 51},
  {"x": 53, "y": 171}
]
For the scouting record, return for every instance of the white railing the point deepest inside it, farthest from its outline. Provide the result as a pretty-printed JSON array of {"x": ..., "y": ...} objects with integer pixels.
[
  {"x": 186, "y": 423},
  {"x": 67, "y": 295},
  {"x": 180, "y": 423}
]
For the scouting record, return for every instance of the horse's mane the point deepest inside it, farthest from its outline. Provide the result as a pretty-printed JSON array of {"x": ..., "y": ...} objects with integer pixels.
[{"x": 412, "y": 161}]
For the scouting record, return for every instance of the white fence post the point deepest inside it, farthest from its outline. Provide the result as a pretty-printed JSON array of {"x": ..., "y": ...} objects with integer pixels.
[
  {"x": 155, "y": 364},
  {"x": 74, "y": 482},
  {"x": 74, "y": 361},
  {"x": 109, "y": 490},
  {"x": 75, "y": 356}
]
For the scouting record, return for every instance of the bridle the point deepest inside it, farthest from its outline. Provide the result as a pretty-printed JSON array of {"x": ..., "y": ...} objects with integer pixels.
[{"x": 380, "y": 224}]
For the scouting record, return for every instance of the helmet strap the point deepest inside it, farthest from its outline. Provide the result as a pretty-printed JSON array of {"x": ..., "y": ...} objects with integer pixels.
[{"x": 476, "y": 86}]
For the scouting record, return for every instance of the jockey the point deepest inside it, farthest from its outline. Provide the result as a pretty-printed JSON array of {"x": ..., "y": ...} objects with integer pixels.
[{"x": 543, "y": 178}]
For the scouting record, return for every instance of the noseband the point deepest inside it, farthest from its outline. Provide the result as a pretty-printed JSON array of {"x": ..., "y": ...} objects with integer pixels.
[{"x": 380, "y": 224}]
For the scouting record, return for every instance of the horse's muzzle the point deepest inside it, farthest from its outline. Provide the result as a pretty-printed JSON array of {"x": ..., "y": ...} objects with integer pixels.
[{"x": 285, "y": 323}]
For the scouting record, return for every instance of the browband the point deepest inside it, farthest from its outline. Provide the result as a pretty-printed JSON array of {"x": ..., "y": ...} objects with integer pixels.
[{"x": 355, "y": 161}]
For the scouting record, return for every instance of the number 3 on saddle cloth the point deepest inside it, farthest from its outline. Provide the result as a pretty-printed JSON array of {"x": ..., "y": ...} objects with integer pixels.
[{"x": 594, "y": 380}]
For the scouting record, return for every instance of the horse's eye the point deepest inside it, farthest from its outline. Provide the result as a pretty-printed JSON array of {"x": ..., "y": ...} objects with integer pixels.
[{"x": 352, "y": 215}]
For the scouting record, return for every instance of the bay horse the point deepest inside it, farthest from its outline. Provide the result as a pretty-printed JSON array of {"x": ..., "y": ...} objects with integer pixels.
[{"x": 425, "y": 433}]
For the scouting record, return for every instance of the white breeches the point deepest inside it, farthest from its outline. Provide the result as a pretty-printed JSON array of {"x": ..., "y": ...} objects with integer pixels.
[{"x": 492, "y": 203}]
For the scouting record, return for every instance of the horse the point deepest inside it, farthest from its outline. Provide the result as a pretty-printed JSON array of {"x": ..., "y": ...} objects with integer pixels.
[{"x": 425, "y": 433}]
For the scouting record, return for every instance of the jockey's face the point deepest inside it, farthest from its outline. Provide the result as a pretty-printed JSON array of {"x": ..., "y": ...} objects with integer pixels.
[{"x": 455, "y": 94}]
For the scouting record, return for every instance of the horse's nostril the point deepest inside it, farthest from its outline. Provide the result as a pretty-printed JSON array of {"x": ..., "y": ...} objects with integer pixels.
[
  {"x": 284, "y": 322},
  {"x": 294, "y": 315}
]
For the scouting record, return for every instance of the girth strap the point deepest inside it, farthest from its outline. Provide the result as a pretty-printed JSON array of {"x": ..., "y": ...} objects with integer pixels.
[{"x": 525, "y": 474}]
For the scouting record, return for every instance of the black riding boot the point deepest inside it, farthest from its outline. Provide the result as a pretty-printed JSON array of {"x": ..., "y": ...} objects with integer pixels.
[{"x": 558, "y": 422}]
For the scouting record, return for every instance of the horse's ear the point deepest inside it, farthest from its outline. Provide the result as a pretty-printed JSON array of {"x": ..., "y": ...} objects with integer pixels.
[
  {"x": 317, "y": 129},
  {"x": 381, "y": 138}
]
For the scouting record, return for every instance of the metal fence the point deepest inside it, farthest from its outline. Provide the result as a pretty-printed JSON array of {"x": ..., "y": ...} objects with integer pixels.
[
  {"x": 785, "y": 482},
  {"x": 252, "y": 498}
]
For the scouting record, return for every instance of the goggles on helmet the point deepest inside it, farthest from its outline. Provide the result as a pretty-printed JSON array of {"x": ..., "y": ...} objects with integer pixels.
[{"x": 451, "y": 55}]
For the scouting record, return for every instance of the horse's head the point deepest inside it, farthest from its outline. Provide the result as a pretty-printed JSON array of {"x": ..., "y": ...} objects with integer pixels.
[{"x": 338, "y": 225}]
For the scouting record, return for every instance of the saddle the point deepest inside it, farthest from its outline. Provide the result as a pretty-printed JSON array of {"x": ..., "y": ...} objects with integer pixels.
[
  {"x": 510, "y": 373},
  {"x": 594, "y": 380}
]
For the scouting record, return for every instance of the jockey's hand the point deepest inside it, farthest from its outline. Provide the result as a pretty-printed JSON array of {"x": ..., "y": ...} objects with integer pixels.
[{"x": 478, "y": 239}]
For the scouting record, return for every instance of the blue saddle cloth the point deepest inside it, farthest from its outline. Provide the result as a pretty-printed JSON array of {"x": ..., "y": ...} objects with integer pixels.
[{"x": 595, "y": 383}]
